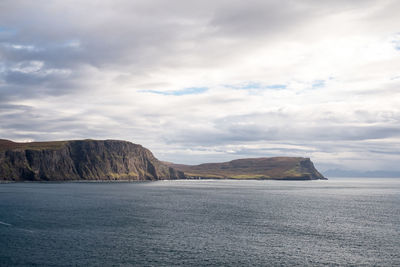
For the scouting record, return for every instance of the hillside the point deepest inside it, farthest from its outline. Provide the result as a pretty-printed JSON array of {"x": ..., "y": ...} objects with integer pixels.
[
  {"x": 80, "y": 160},
  {"x": 282, "y": 168}
]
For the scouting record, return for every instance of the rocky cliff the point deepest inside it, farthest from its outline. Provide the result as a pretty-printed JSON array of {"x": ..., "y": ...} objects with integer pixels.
[
  {"x": 81, "y": 160},
  {"x": 277, "y": 168},
  {"x": 121, "y": 160}
]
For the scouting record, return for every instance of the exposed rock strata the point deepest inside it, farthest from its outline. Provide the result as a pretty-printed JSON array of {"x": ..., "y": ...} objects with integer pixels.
[{"x": 81, "y": 160}]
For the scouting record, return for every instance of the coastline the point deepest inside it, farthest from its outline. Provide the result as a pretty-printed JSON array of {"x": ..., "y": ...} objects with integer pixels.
[{"x": 142, "y": 181}]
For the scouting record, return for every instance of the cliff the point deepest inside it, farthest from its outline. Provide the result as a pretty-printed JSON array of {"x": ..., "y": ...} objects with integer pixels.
[
  {"x": 277, "y": 168},
  {"x": 81, "y": 160},
  {"x": 121, "y": 160}
]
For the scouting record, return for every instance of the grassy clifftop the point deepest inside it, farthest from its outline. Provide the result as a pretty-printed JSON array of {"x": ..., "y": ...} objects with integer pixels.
[{"x": 10, "y": 145}]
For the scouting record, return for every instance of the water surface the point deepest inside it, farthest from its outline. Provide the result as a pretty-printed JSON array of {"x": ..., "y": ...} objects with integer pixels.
[{"x": 206, "y": 222}]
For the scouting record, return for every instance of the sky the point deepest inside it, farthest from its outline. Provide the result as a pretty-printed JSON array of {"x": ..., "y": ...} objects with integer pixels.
[{"x": 207, "y": 81}]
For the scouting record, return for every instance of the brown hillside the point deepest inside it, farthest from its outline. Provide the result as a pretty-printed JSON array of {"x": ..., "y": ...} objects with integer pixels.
[{"x": 296, "y": 168}]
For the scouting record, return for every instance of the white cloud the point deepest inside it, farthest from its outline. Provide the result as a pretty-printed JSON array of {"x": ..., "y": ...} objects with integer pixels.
[{"x": 28, "y": 67}]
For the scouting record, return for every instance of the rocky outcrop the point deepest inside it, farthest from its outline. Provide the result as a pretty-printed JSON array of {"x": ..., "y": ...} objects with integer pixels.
[{"x": 81, "y": 160}]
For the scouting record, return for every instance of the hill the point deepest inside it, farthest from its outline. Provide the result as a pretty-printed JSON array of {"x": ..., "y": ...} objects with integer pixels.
[
  {"x": 364, "y": 174},
  {"x": 281, "y": 168}
]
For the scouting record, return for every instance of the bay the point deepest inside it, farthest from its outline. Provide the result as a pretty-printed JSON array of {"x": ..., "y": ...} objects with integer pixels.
[{"x": 344, "y": 221}]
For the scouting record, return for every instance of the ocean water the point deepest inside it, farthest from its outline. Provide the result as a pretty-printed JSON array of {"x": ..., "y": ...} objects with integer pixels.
[{"x": 197, "y": 223}]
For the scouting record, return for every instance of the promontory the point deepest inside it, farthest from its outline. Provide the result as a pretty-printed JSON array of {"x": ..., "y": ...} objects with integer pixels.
[{"x": 122, "y": 160}]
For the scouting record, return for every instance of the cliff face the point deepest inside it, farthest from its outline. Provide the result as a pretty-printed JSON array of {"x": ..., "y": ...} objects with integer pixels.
[
  {"x": 81, "y": 160},
  {"x": 121, "y": 160},
  {"x": 278, "y": 168}
]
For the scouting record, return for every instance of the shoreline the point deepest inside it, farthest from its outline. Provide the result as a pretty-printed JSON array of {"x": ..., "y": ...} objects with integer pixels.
[{"x": 142, "y": 181}]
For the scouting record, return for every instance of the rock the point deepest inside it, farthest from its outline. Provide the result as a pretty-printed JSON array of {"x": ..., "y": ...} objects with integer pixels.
[{"x": 81, "y": 160}]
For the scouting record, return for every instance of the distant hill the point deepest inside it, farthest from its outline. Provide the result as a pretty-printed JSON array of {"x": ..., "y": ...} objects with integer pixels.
[
  {"x": 372, "y": 174},
  {"x": 283, "y": 168},
  {"x": 122, "y": 160}
]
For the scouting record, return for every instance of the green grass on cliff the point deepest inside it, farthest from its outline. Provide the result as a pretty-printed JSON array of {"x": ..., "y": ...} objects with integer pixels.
[
  {"x": 254, "y": 168},
  {"x": 10, "y": 145}
]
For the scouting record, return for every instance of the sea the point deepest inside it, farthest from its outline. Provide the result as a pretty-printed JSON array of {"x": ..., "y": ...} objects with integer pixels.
[{"x": 338, "y": 222}]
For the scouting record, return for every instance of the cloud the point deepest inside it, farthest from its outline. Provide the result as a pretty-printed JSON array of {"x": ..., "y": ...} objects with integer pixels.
[{"x": 215, "y": 80}]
